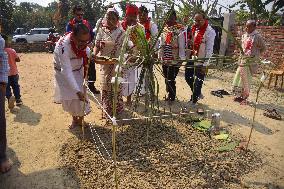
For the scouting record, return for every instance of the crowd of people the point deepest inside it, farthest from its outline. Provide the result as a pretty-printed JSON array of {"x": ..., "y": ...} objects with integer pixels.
[
  {"x": 72, "y": 54},
  {"x": 177, "y": 42}
]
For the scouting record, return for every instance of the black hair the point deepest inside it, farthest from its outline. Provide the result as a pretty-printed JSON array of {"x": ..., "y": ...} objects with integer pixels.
[
  {"x": 201, "y": 12},
  {"x": 115, "y": 13},
  {"x": 173, "y": 13},
  {"x": 80, "y": 28},
  {"x": 143, "y": 9},
  {"x": 5, "y": 37},
  {"x": 77, "y": 8}
]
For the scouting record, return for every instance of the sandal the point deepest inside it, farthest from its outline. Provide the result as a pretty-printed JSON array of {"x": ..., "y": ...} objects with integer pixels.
[
  {"x": 223, "y": 92},
  {"x": 273, "y": 114},
  {"x": 238, "y": 99},
  {"x": 244, "y": 102},
  {"x": 216, "y": 93}
]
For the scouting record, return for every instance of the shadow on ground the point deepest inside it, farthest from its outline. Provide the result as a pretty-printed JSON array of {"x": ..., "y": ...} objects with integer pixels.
[
  {"x": 25, "y": 114},
  {"x": 60, "y": 178}
]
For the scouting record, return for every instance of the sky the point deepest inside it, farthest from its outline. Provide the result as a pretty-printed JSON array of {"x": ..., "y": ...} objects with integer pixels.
[{"x": 45, "y": 2}]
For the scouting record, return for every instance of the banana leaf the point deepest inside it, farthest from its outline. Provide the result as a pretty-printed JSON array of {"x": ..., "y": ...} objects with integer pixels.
[
  {"x": 228, "y": 147},
  {"x": 204, "y": 125},
  {"x": 221, "y": 136}
]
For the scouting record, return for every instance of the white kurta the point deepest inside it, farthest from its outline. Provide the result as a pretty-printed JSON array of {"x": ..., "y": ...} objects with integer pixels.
[
  {"x": 131, "y": 76},
  {"x": 69, "y": 78},
  {"x": 207, "y": 44}
]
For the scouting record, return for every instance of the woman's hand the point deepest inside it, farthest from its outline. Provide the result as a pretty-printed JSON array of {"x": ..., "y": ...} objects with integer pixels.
[{"x": 81, "y": 96}]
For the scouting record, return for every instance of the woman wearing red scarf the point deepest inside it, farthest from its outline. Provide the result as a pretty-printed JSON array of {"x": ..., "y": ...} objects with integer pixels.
[
  {"x": 202, "y": 42},
  {"x": 172, "y": 44},
  {"x": 109, "y": 41},
  {"x": 70, "y": 67}
]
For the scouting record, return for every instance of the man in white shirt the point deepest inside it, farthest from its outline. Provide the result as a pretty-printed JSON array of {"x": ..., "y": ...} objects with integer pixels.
[
  {"x": 202, "y": 43},
  {"x": 151, "y": 29},
  {"x": 70, "y": 64}
]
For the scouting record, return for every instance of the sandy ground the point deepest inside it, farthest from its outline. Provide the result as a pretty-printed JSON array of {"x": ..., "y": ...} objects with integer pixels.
[{"x": 38, "y": 130}]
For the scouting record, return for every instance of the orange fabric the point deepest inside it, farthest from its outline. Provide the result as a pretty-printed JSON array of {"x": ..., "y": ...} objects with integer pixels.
[{"x": 12, "y": 56}]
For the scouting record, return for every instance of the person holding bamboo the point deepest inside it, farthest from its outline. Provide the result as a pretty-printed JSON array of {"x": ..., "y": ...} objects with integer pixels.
[
  {"x": 109, "y": 41},
  {"x": 70, "y": 65},
  {"x": 131, "y": 75},
  {"x": 253, "y": 45},
  {"x": 172, "y": 48},
  {"x": 201, "y": 42}
]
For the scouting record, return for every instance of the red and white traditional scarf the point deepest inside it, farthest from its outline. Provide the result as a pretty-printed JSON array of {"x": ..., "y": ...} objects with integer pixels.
[
  {"x": 171, "y": 31},
  {"x": 147, "y": 26},
  {"x": 198, "y": 39},
  {"x": 80, "y": 53}
]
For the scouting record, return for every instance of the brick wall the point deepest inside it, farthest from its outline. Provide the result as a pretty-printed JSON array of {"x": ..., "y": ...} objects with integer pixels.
[
  {"x": 272, "y": 35},
  {"x": 29, "y": 47}
]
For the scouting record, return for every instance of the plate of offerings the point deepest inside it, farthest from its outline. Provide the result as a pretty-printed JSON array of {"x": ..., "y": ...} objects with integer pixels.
[{"x": 105, "y": 60}]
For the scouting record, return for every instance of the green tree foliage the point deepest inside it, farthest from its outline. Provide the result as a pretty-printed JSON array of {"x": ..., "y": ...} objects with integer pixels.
[
  {"x": 6, "y": 14},
  {"x": 29, "y": 15},
  {"x": 256, "y": 9},
  {"x": 187, "y": 8}
]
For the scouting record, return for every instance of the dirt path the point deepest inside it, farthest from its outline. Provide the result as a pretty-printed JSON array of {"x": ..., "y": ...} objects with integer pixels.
[{"x": 38, "y": 130}]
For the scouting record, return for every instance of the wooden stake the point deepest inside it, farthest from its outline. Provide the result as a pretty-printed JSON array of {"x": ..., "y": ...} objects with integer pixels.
[{"x": 254, "y": 114}]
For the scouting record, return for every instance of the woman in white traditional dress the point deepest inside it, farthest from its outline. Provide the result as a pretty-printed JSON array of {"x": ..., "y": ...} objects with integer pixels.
[
  {"x": 108, "y": 43},
  {"x": 70, "y": 60}
]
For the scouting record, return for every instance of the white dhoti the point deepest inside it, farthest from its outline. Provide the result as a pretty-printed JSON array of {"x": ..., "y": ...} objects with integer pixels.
[{"x": 129, "y": 82}]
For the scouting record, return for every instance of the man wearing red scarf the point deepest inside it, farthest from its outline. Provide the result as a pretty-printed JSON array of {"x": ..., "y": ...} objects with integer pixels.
[
  {"x": 172, "y": 48},
  {"x": 151, "y": 29},
  {"x": 70, "y": 68},
  {"x": 202, "y": 42},
  {"x": 131, "y": 75},
  {"x": 131, "y": 15},
  {"x": 78, "y": 13}
]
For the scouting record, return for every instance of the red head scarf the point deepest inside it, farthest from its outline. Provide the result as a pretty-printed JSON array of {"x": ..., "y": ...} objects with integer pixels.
[{"x": 131, "y": 9}]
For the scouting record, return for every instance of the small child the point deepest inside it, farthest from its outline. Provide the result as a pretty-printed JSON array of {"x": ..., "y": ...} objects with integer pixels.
[{"x": 13, "y": 78}]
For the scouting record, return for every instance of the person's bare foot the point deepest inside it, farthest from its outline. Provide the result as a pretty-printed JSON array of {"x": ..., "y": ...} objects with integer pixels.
[
  {"x": 73, "y": 125},
  {"x": 5, "y": 166}
]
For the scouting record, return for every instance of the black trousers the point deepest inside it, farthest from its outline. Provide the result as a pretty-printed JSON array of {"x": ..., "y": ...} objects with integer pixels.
[
  {"x": 92, "y": 77},
  {"x": 170, "y": 74},
  {"x": 194, "y": 78},
  {"x": 3, "y": 137}
]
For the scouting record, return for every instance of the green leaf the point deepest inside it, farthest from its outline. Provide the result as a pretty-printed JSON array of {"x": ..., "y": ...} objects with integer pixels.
[
  {"x": 228, "y": 147},
  {"x": 204, "y": 125},
  {"x": 222, "y": 136}
]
